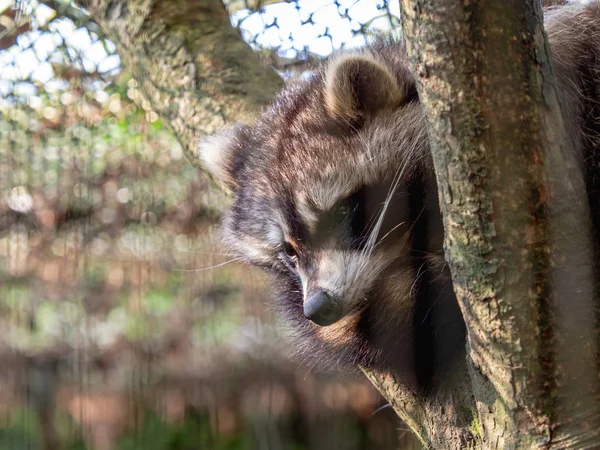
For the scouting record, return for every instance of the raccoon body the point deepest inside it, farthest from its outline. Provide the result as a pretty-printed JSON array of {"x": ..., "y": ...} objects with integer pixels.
[{"x": 335, "y": 197}]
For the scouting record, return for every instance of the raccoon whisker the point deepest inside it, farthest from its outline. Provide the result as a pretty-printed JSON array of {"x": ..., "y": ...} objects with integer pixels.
[
  {"x": 394, "y": 186},
  {"x": 360, "y": 306},
  {"x": 424, "y": 252},
  {"x": 408, "y": 231},
  {"x": 370, "y": 269},
  {"x": 373, "y": 235},
  {"x": 210, "y": 267},
  {"x": 381, "y": 408},
  {"x": 413, "y": 225},
  {"x": 419, "y": 273},
  {"x": 431, "y": 307},
  {"x": 368, "y": 266},
  {"x": 373, "y": 219},
  {"x": 377, "y": 224},
  {"x": 388, "y": 233},
  {"x": 212, "y": 254}
]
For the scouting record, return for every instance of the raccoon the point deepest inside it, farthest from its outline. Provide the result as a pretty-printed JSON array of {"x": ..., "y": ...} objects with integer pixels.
[{"x": 335, "y": 197}]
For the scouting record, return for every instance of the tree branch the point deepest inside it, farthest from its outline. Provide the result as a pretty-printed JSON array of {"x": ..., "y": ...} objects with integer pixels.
[
  {"x": 79, "y": 17},
  {"x": 252, "y": 5},
  {"x": 192, "y": 65},
  {"x": 443, "y": 418}
]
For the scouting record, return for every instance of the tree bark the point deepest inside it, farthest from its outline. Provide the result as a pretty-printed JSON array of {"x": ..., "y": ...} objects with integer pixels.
[
  {"x": 442, "y": 419},
  {"x": 192, "y": 65},
  {"x": 517, "y": 229}
]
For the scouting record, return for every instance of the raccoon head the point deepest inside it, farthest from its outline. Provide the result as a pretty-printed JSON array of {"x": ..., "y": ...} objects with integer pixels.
[{"x": 329, "y": 185}]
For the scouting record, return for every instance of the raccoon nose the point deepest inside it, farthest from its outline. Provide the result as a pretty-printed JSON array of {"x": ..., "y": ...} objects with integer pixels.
[{"x": 323, "y": 309}]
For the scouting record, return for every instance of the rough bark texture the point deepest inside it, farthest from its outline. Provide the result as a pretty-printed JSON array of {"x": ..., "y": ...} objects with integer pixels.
[
  {"x": 515, "y": 218},
  {"x": 442, "y": 419},
  {"x": 193, "y": 66}
]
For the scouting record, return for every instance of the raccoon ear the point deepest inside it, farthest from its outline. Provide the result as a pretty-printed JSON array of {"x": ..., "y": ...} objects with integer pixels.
[
  {"x": 357, "y": 85},
  {"x": 219, "y": 154}
]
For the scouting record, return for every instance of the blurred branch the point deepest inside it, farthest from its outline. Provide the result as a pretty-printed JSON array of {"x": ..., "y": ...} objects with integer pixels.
[
  {"x": 11, "y": 26},
  {"x": 192, "y": 66},
  {"x": 80, "y": 18},
  {"x": 252, "y": 5}
]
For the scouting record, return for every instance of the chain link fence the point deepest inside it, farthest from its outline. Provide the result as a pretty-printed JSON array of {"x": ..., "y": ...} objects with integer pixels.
[{"x": 124, "y": 324}]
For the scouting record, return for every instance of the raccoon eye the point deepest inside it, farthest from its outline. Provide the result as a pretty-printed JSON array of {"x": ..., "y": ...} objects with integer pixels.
[
  {"x": 290, "y": 252},
  {"x": 343, "y": 209}
]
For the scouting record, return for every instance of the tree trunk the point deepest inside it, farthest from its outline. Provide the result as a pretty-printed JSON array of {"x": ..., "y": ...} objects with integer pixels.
[
  {"x": 517, "y": 228},
  {"x": 511, "y": 195}
]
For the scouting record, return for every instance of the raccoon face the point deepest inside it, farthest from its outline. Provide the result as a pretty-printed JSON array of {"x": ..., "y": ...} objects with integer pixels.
[{"x": 329, "y": 186}]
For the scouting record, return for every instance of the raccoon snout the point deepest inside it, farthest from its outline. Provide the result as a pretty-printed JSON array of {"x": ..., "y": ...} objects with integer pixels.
[{"x": 323, "y": 309}]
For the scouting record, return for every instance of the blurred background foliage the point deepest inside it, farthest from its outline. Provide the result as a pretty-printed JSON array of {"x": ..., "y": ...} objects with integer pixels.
[{"x": 123, "y": 322}]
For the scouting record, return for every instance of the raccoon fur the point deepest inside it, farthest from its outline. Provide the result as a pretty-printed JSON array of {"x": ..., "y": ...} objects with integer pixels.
[{"x": 336, "y": 198}]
